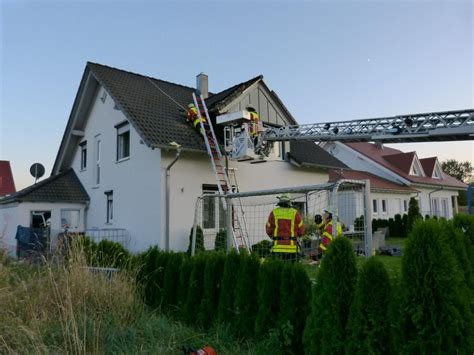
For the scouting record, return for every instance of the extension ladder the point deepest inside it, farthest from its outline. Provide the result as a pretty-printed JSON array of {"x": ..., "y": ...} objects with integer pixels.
[{"x": 223, "y": 184}]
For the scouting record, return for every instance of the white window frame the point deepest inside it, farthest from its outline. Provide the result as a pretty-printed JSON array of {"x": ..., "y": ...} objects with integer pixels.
[
  {"x": 69, "y": 225},
  {"x": 97, "y": 147},
  {"x": 435, "y": 206},
  {"x": 123, "y": 141},
  {"x": 445, "y": 208},
  {"x": 375, "y": 206},
  {"x": 109, "y": 206},
  {"x": 218, "y": 217},
  {"x": 384, "y": 206},
  {"x": 83, "y": 146}
]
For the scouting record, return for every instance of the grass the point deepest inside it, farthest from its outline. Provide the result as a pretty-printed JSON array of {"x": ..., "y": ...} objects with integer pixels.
[{"x": 395, "y": 242}]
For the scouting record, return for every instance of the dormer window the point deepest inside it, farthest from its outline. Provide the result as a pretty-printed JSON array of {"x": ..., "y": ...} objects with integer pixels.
[
  {"x": 437, "y": 172},
  {"x": 416, "y": 168}
]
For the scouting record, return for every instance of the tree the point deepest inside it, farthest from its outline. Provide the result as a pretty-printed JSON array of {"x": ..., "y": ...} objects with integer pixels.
[
  {"x": 459, "y": 170},
  {"x": 413, "y": 214}
]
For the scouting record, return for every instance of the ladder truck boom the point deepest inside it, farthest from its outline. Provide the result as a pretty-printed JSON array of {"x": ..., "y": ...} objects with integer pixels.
[{"x": 421, "y": 127}]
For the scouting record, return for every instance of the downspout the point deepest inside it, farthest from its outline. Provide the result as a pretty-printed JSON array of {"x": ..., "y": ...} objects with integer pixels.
[
  {"x": 431, "y": 203},
  {"x": 167, "y": 207}
]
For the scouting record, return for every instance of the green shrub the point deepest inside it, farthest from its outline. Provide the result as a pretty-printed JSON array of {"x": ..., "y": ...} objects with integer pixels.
[
  {"x": 195, "y": 289},
  {"x": 220, "y": 243},
  {"x": 147, "y": 276},
  {"x": 398, "y": 227},
  {"x": 325, "y": 331},
  {"x": 212, "y": 286},
  {"x": 369, "y": 326},
  {"x": 413, "y": 214},
  {"x": 359, "y": 223},
  {"x": 246, "y": 296},
  {"x": 391, "y": 227},
  {"x": 226, "y": 310},
  {"x": 295, "y": 295},
  {"x": 405, "y": 224},
  {"x": 111, "y": 254},
  {"x": 184, "y": 275},
  {"x": 269, "y": 278},
  {"x": 432, "y": 305},
  {"x": 263, "y": 248},
  {"x": 169, "y": 299},
  {"x": 199, "y": 240}
]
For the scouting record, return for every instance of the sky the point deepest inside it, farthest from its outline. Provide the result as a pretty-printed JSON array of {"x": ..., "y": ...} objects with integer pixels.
[{"x": 327, "y": 60}]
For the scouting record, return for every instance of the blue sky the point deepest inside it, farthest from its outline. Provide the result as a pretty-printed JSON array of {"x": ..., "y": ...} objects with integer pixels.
[{"x": 327, "y": 61}]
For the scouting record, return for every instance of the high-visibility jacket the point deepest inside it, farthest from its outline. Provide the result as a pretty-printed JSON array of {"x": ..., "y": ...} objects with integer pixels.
[
  {"x": 254, "y": 123},
  {"x": 328, "y": 235},
  {"x": 284, "y": 225},
  {"x": 192, "y": 116}
]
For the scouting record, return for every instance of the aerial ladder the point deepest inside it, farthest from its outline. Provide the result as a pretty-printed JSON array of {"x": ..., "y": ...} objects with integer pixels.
[
  {"x": 239, "y": 230},
  {"x": 420, "y": 127}
]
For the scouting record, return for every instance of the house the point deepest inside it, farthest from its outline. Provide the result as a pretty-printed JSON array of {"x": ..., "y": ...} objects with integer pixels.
[
  {"x": 7, "y": 185},
  {"x": 57, "y": 202},
  {"x": 397, "y": 176},
  {"x": 120, "y": 143}
]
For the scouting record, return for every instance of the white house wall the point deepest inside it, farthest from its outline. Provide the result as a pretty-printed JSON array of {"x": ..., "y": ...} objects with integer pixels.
[
  {"x": 193, "y": 170},
  {"x": 8, "y": 225},
  {"x": 15, "y": 214},
  {"x": 439, "y": 195},
  {"x": 135, "y": 182}
]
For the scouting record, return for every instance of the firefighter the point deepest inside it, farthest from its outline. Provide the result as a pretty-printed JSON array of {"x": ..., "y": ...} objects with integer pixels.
[
  {"x": 254, "y": 127},
  {"x": 193, "y": 118},
  {"x": 284, "y": 226},
  {"x": 327, "y": 236}
]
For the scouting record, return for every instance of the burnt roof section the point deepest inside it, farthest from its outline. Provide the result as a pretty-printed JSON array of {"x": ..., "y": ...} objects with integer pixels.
[
  {"x": 309, "y": 153},
  {"x": 7, "y": 185},
  {"x": 64, "y": 187}
]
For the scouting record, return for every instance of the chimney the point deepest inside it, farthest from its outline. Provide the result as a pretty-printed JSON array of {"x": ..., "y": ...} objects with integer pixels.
[{"x": 202, "y": 85}]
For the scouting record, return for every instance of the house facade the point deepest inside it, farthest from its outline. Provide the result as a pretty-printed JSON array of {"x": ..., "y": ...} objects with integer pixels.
[
  {"x": 423, "y": 179},
  {"x": 121, "y": 141}
]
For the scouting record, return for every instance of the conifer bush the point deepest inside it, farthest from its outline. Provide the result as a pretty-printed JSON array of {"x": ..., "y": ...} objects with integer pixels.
[
  {"x": 369, "y": 325},
  {"x": 170, "y": 284},
  {"x": 414, "y": 214},
  {"x": 226, "y": 310},
  {"x": 325, "y": 331},
  {"x": 195, "y": 289},
  {"x": 246, "y": 296},
  {"x": 433, "y": 308},
  {"x": 220, "y": 243},
  {"x": 295, "y": 296},
  {"x": 146, "y": 275},
  {"x": 398, "y": 227},
  {"x": 269, "y": 279},
  {"x": 184, "y": 275},
  {"x": 199, "y": 240},
  {"x": 213, "y": 273}
]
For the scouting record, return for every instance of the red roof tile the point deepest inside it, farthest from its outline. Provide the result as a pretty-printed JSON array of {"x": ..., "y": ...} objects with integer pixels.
[
  {"x": 379, "y": 153},
  {"x": 428, "y": 165},
  {"x": 376, "y": 182},
  {"x": 7, "y": 185},
  {"x": 402, "y": 161}
]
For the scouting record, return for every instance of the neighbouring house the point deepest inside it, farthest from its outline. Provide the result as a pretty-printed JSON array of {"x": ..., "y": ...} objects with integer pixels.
[
  {"x": 52, "y": 204},
  {"x": 7, "y": 184},
  {"x": 120, "y": 141},
  {"x": 397, "y": 176}
]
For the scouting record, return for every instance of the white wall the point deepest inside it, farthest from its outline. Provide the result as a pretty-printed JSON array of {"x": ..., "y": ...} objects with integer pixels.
[
  {"x": 394, "y": 204},
  {"x": 135, "y": 182},
  {"x": 193, "y": 170},
  {"x": 15, "y": 214},
  {"x": 424, "y": 201}
]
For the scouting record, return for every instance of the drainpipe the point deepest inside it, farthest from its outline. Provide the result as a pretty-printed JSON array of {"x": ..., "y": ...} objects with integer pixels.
[
  {"x": 167, "y": 226},
  {"x": 431, "y": 203}
]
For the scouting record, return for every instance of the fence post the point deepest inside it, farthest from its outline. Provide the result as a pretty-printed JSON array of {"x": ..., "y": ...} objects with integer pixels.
[
  {"x": 228, "y": 224},
  {"x": 368, "y": 220}
]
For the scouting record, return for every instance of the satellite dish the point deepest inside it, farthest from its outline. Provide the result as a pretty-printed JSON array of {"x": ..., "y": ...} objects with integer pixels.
[{"x": 37, "y": 171}]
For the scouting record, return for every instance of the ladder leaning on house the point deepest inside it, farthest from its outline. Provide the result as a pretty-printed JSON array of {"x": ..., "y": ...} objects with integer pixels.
[{"x": 239, "y": 231}]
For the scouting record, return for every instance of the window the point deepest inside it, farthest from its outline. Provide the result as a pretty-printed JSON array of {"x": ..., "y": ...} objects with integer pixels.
[
  {"x": 70, "y": 219},
  {"x": 83, "y": 146},
  {"x": 213, "y": 214},
  {"x": 110, "y": 205},
  {"x": 384, "y": 206},
  {"x": 282, "y": 151},
  {"x": 123, "y": 141},
  {"x": 405, "y": 205},
  {"x": 416, "y": 168},
  {"x": 444, "y": 208},
  {"x": 374, "y": 207},
  {"x": 435, "y": 206},
  {"x": 97, "y": 161}
]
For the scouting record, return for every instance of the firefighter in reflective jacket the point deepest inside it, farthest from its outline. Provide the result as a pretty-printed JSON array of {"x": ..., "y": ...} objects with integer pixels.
[
  {"x": 327, "y": 236},
  {"x": 193, "y": 118},
  {"x": 254, "y": 121},
  {"x": 284, "y": 226}
]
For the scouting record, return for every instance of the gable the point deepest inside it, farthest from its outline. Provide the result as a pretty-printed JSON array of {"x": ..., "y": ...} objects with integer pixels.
[
  {"x": 269, "y": 107},
  {"x": 416, "y": 169},
  {"x": 7, "y": 185}
]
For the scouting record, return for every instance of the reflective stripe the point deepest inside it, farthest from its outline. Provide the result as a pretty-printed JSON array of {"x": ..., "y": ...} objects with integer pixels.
[
  {"x": 322, "y": 246},
  {"x": 284, "y": 213},
  {"x": 328, "y": 235},
  {"x": 278, "y": 248},
  {"x": 300, "y": 224}
]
